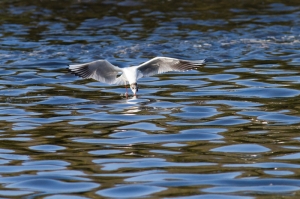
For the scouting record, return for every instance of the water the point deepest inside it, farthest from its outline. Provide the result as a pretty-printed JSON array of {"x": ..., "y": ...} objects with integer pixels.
[{"x": 227, "y": 130}]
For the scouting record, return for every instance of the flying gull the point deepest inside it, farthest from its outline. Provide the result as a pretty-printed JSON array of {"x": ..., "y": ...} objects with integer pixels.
[{"x": 105, "y": 72}]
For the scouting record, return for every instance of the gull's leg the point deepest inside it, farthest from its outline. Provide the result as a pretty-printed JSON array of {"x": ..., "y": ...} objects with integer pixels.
[{"x": 126, "y": 91}]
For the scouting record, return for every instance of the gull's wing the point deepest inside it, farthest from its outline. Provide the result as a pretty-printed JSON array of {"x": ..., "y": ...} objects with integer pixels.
[
  {"x": 100, "y": 70},
  {"x": 159, "y": 65}
]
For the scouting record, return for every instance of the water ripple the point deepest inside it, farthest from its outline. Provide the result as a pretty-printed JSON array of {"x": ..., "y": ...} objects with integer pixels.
[
  {"x": 242, "y": 148},
  {"x": 131, "y": 191},
  {"x": 152, "y": 139},
  {"x": 115, "y": 164},
  {"x": 53, "y": 186},
  {"x": 228, "y": 129}
]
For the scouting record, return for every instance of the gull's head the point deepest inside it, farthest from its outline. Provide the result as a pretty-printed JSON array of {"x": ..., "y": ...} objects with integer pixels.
[{"x": 134, "y": 87}]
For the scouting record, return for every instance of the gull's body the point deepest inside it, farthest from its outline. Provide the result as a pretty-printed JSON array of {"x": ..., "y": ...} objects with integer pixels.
[
  {"x": 131, "y": 74},
  {"x": 105, "y": 72}
]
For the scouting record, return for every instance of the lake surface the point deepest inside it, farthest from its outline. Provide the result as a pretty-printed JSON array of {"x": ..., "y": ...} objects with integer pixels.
[{"x": 229, "y": 129}]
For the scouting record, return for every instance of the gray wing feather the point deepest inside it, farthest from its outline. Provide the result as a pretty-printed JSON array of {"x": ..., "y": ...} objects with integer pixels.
[
  {"x": 159, "y": 65},
  {"x": 121, "y": 80},
  {"x": 100, "y": 70}
]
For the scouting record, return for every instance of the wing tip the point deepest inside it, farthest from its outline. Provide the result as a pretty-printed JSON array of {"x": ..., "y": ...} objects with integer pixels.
[{"x": 76, "y": 73}]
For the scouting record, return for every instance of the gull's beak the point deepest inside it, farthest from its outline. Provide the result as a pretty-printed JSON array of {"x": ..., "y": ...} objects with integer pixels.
[
  {"x": 134, "y": 91},
  {"x": 134, "y": 88}
]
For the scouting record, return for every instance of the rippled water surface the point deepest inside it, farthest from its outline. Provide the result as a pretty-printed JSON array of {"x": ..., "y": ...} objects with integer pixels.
[{"x": 229, "y": 129}]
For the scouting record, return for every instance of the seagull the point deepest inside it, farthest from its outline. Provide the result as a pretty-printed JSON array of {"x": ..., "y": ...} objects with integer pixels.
[{"x": 104, "y": 71}]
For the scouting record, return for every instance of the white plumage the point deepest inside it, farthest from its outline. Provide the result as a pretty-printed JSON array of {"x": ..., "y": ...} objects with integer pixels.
[{"x": 105, "y": 72}]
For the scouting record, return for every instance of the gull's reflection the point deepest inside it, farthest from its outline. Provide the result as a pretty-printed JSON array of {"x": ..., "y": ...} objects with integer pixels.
[
  {"x": 132, "y": 110},
  {"x": 133, "y": 99}
]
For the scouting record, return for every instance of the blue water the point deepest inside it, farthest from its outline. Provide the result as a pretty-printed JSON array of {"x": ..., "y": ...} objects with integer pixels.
[{"x": 229, "y": 129}]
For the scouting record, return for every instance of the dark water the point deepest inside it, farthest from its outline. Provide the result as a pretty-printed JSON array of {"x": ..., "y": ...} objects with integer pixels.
[{"x": 227, "y": 130}]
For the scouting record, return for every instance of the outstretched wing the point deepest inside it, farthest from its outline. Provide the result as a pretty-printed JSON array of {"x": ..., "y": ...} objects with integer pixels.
[
  {"x": 159, "y": 65},
  {"x": 100, "y": 70}
]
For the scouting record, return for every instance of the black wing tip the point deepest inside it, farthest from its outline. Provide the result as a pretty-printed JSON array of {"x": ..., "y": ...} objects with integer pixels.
[
  {"x": 74, "y": 73},
  {"x": 69, "y": 70},
  {"x": 80, "y": 72}
]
